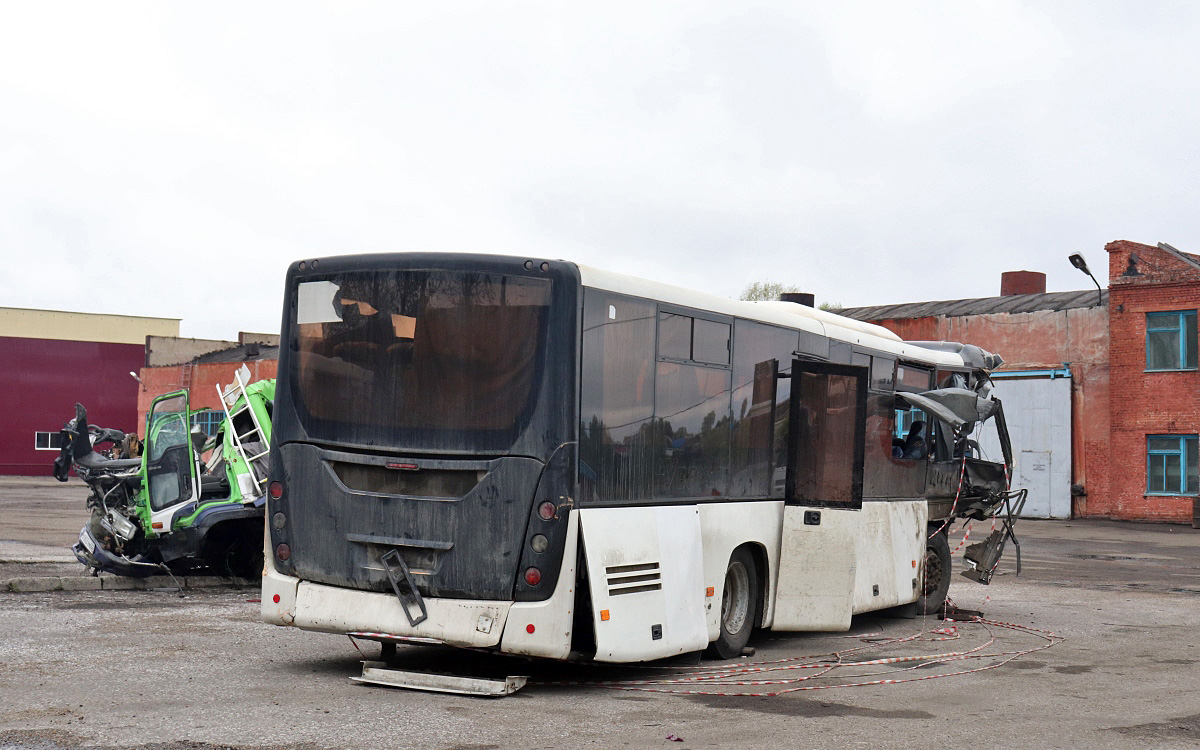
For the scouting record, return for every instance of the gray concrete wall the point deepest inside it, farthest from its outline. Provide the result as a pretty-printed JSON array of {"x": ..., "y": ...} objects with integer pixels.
[
  {"x": 267, "y": 339},
  {"x": 164, "y": 351}
]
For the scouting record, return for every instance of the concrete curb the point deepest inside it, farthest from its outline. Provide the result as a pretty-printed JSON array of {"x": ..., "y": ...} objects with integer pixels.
[{"x": 33, "y": 585}]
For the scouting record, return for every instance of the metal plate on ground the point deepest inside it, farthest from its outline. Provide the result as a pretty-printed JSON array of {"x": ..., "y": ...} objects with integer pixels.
[{"x": 377, "y": 673}]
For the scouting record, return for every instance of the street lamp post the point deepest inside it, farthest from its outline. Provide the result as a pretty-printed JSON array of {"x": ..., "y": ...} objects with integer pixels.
[{"x": 1078, "y": 261}]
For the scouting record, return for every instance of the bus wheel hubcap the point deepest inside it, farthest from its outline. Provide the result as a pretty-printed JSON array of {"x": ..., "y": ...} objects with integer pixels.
[{"x": 735, "y": 600}]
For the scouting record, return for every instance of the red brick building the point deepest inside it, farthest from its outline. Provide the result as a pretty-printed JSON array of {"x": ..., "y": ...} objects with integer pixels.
[
  {"x": 1154, "y": 293},
  {"x": 1130, "y": 355}
]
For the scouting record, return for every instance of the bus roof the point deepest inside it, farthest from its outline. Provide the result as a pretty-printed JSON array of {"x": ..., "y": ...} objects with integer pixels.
[{"x": 787, "y": 314}]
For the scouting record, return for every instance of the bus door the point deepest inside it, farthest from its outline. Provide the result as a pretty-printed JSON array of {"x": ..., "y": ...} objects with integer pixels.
[
  {"x": 169, "y": 460},
  {"x": 826, "y": 439}
]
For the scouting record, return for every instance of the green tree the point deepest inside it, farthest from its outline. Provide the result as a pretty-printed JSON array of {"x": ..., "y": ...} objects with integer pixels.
[{"x": 761, "y": 291}]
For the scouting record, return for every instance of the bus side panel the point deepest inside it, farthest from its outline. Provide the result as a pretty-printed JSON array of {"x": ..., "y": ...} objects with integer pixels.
[
  {"x": 816, "y": 569},
  {"x": 727, "y": 526},
  {"x": 891, "y": 549},
  {"x": 646, "y": 577},
  {"x": 551, "y": 619}
]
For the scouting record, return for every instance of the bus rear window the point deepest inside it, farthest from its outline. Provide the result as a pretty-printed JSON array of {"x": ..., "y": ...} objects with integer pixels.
[{"x": 437, "y": 359}]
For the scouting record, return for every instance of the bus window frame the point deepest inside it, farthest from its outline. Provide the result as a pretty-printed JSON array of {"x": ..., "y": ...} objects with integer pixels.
[
  {"x": 901, "y": 387},
  {"x": 727, "y": 368},
  {"x": 694, "y": 314}
]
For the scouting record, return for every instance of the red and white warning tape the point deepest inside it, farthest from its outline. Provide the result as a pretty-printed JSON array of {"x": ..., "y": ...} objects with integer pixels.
[{"x": 714, "y": 680}]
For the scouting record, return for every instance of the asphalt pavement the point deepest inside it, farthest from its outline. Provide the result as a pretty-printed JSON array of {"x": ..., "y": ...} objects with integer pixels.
[{"x": 149, "y": 670}]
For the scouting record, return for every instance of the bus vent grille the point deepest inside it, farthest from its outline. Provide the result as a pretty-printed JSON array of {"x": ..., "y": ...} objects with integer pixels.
[{"x": 632, "y": 579}]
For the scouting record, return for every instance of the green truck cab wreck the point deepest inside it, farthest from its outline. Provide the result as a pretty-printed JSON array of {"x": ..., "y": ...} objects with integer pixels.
[{"x": 169, "y": 509}]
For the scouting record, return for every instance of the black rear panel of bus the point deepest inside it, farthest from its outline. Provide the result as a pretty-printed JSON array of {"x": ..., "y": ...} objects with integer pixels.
[{"x": 426, "y": 405}]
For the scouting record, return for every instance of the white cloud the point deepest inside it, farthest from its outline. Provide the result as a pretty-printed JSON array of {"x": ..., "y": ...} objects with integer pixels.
[{"x": 171, "y": 160}]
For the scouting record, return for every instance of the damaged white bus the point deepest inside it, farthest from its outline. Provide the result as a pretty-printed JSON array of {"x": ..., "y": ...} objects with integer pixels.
[{"x": 545, "y": 459}]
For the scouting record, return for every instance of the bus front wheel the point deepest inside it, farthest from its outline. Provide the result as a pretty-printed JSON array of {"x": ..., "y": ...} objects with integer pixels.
[
  {"x": 739, "y": 605},
  {"x": 936, "y": 580}
]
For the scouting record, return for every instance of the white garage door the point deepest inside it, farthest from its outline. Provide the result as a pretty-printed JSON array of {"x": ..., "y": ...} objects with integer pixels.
[{"x": 1038, "y": 410}]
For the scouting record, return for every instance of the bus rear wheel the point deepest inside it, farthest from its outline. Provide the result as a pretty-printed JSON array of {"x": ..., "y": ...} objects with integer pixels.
[
  {"x": 739, "y": 605},
  {"x": 935, "y": 583}
]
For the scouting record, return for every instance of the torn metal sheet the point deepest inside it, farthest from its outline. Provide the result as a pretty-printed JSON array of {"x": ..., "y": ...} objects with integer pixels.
[
  {"x": 972, "y": 355},
  {"x": 954, "y": 406}
]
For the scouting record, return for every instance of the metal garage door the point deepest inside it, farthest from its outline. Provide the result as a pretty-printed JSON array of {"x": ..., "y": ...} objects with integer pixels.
[{"x": 1038, "y": 408}]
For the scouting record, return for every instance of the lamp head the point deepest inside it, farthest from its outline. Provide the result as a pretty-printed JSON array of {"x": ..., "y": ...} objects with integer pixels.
[{"x": 1078, "y": 261}]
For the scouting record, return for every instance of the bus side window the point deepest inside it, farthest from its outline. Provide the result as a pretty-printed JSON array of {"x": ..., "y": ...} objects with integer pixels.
[
  {"x": 692, "y": 446},
  {"x": 758, "y": 349},
  {"x": 911, "y": 437},
  {"x": 883, "y": 374},
  {"x": 710, "y": 342},
  {"x": 674, "y": 336},
  {"x": 616, "y": 397}
]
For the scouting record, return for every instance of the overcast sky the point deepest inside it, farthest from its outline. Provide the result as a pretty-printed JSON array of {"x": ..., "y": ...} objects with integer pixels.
[{"x": 170, "y": 160}]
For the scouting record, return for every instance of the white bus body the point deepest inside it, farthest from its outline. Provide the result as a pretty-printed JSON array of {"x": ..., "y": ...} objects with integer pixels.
[{"x": 647, "y": 578}]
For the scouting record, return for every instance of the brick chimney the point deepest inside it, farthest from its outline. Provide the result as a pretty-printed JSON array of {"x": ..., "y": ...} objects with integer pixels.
[{"x": 1022, "y": 282}]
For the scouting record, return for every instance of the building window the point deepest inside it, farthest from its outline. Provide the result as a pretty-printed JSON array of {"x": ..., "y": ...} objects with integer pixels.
[
  {"x": 905, "y": 419},
  {"x": 1171, "y": 465},
  {"x": 209, "y": 421},
  {"x": 1171, "y": 340},
  {"x": 47, "y": 441}
]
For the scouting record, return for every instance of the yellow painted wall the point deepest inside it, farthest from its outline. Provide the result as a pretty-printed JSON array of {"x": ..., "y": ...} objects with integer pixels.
[{"x": 72, "y": 326}]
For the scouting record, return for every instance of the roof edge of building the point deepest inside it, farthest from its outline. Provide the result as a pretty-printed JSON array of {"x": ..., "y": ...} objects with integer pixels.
[
  {"x": 83, "y": 312},
  {"x": 1013, "y": 304}
]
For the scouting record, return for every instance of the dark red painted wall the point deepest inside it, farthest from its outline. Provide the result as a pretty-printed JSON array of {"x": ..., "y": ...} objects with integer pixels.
[{"x": 40, "y": 381}]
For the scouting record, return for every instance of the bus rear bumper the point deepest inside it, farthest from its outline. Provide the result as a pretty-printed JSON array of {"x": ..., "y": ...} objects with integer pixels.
[
  {"x": 541, "y": 629},
  {"x": 455, "y": 622}
]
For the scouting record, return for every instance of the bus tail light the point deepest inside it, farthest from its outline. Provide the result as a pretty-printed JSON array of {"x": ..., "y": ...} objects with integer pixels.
[
  {"x": 533, "y": 576},
  {"x": 283, "y": 552},
  {"x": 546, "y": 510},
  {"x": 275, "y": 489}
]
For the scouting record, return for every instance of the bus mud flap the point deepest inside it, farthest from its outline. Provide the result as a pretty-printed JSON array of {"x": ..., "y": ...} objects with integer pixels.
[
  {"x": 377, "y": 673},
  {"x": 405, "y": 587}
]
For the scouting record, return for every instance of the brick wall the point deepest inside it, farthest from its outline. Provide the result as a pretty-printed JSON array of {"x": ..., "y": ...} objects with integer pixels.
[
  {"x": 201, "y": 381},
  {"x": 1145, "y": 403}
]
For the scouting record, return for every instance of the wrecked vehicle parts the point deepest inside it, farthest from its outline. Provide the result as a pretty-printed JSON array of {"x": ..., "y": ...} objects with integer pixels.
[{"x": 160, "y": 507}]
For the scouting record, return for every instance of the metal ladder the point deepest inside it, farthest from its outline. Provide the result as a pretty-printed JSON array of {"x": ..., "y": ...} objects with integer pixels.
[{"x": 229, "y": 396}]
